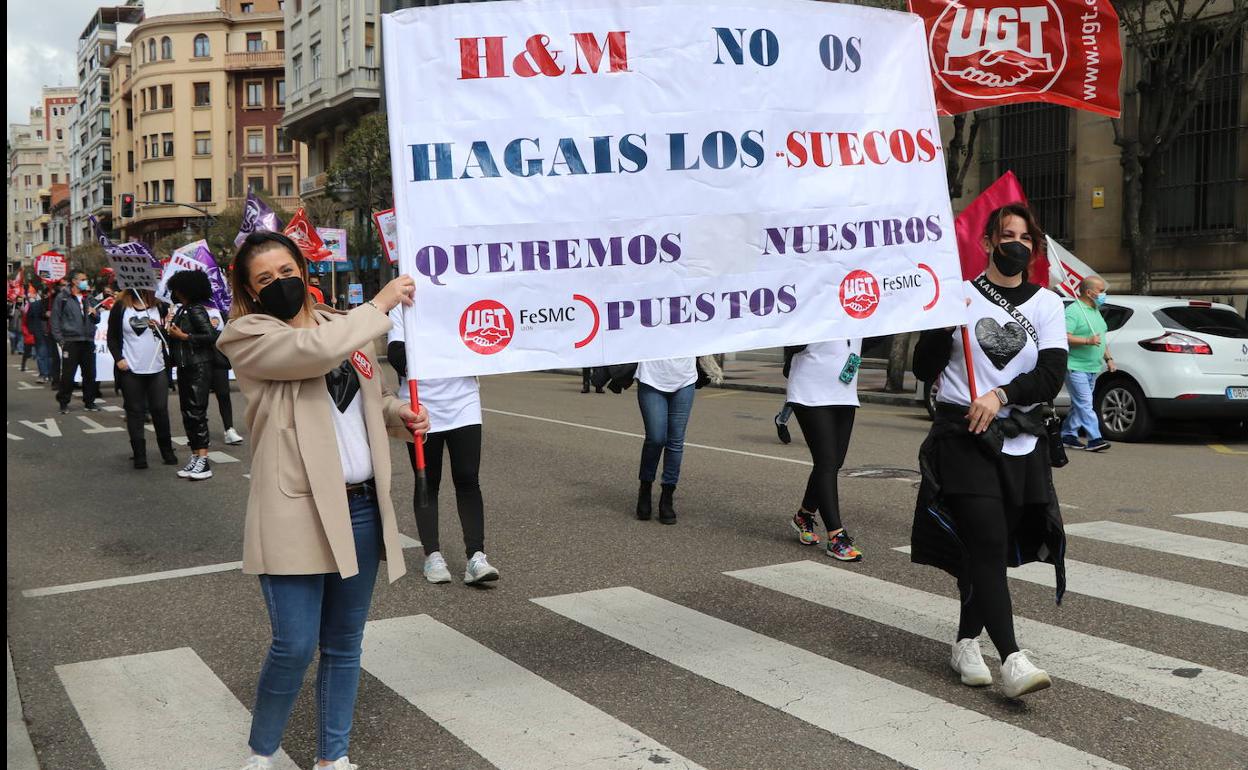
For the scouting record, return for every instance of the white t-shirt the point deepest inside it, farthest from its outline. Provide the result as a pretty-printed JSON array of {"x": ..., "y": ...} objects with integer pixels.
[
  {"x": 815, "y": 375},
  {"x": 668, "y": 374},
  {"x": 452, "y": 402},
  {"x": 140, "y": 345},
  {"x": 352, "y": 435},
  {"x": 1001, "y": 350}
]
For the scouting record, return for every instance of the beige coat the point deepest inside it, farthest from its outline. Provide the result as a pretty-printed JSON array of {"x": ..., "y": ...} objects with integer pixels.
[{"x": 298, "y": 522}]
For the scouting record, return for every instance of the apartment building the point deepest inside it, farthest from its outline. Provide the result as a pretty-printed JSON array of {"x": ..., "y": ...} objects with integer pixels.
[
  {"x": 197, "y": 116},
  {"x": 28, "y": 154},
  {"x": 91, "y": 154}
]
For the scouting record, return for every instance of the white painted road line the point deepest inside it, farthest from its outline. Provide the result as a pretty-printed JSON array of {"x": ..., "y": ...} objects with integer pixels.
[
  {"x": 207, "y": 569},
  {"x": 111, "y": 408},
  {"x": 529, "y": 724},
  {"x": 19, "y": 750},
  {"x": 1168, "y": 597},
  {"x": 221, "y": 458},
  {"x": 903, "y": 724},
  {"x": 793, "y": 460},
  {"x": 1161, "y": 540},
  {"x": 1229, "y": 518},
  {"x": 159, "y": 710},
  {"x": 1202, "y": 693}
]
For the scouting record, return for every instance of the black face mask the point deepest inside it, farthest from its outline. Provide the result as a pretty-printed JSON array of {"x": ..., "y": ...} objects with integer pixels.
[
  {"x": 283, "y": 298},
  {"x": 1011, "y": 258}
]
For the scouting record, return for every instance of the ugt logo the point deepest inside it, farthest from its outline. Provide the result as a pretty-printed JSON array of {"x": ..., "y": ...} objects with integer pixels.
[
  {"x": 860, "y": 294},
  {"x": 487, "y": 327},
  {"x": 986, "y": 49}
]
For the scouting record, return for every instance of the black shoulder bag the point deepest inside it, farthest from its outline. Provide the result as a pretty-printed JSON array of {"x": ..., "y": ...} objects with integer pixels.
[{"x": 1052, "y": 423}]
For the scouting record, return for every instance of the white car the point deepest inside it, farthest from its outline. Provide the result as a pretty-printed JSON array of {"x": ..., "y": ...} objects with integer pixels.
[{"x": 1176, "y": 359}]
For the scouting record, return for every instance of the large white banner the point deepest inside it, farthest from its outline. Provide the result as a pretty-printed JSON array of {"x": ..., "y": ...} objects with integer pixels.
[{"x": 584, "y": 183}]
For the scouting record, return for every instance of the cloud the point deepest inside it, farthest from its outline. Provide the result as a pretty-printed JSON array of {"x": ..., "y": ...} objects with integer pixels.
[{"x": 42, "y": 42}]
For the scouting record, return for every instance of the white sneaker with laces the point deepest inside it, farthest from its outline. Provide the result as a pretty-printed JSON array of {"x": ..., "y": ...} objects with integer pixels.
[
  {"x": 232, "y": 438},
  {"x": 479, "y": 570},
  {"x": 342, "y": 763},
  {"x": 1019, "y": 676},
  {"x": 257, "y": 762},
  {"x": 968, "y": 661},
  {"x": 435, "y": 568}
]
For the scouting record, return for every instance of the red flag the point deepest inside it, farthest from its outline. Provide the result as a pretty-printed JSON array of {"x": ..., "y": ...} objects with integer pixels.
[
  {"x": 990, "y": 52},
  {"x": 970, "y": 224},
  {"x": 301, "y": 231}
]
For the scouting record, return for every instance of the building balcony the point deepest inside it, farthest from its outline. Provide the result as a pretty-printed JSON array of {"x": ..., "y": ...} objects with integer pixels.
[
  {"x": 285, "y": 202},
  {"x": 255, "y": 60},
  {"x": 310, "y": 185}
]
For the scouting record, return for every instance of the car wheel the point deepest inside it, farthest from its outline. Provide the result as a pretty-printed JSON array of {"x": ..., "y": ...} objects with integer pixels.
[
  {"x": 1123, "y": 411},
  {"x": 929, "y": 399}
]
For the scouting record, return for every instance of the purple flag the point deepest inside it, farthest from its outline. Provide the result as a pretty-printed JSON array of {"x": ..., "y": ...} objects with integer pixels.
[
  {"x": 131, "y": 248},
  {"x": 221, "y": 296},
  {"x": 257, "y": 216}
]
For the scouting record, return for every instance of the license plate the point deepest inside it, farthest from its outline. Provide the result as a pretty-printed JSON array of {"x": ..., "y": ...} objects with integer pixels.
[{"x": 1237, "y": 394}]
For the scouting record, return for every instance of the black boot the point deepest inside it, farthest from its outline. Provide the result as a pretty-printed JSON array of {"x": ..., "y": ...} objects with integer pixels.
[
  {"x": 667, "y": 514},
  {"x": 643, "y": 500},
  {"x": 168, "y": 456},
  {"x": 138, "y": 450}
]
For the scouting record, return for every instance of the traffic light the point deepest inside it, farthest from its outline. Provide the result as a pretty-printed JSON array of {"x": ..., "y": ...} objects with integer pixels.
[{"x": 127, "y": 205}]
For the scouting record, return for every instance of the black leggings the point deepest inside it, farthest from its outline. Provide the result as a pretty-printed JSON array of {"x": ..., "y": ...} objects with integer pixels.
[
  {"x": 984, "y": 524},
  {"x": 146, "y": 392},
  {"x": 221, "y": 387},
  {"x": 464, "y": 445},
  {"x": 827, "y": 430}
]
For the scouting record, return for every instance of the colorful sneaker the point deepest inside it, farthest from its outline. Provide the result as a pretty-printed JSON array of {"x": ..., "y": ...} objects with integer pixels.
[
  {"x": 841, "y": 547},
  {"x": 804, "y": 524}
]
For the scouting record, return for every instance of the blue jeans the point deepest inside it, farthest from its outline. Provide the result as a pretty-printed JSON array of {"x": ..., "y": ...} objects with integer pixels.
[
  {"x": 16, "y": 342},
  {"x": 665, "y": 416},
  {"x": 1082, "y": 414},
  {"x": 308, "y": 611},
  {"x": 45, "y": 354}
]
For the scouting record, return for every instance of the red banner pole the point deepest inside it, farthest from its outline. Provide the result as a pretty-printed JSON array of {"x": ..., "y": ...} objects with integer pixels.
[
  {"x": 422, "y": 493},
  {"x": 970, "y": 363}
]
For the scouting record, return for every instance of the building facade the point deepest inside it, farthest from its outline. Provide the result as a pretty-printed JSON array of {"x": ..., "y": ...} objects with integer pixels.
[
  {"x": 197, "y": 117},
  {"x": 91, "y": 154},
  {"x": 28, "y": 154}
]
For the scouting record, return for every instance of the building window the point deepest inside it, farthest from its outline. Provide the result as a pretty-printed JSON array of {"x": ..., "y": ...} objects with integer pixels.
[
  {"x": 38, "y": 180},
  {"x": 297, "y": 70},
  {"x": 285, "y": 186},
  {"x": 105, "y": 87},
  {"x": 1033, "y": 141},
  {"x": 151, "y": 50},
  {"x": 166, "y": 96},
  {"x": 346, "y": 47},
  {"x": 202, "y": 51},
  {"x": 166, "y": 142},
  {"x": 203, "y": 94},
  {"x": 129, "y": 119},
  {"x": 130, "y": 161},
  {"x": 370, "y": 50},
  {"x": 203, "y": 190},
  {"x": 54, "y": 178},
  {"x": 154, "y": 141},
  {"x": 315, "y": 50},
  {"x": 28, "y": 180},
  {"x": 168, "y": 191},
  {"x": 1200, "y": 181},
  {"x": 255, "y": 184},
  {"x": 255, "y": 141},
  {"x": 284, "y": 145},
  {"x": 281, "y": 39},
  {"x": 203, "y": 143},
  {"x": 280, "y": 88},
  {"x": 60, "y": 134},
  {"x": 254, "y": 43},
  {"x": 255, "y": 93},
  {"x": 246, "y": 7},
  {"x": 166, "y": 48}
]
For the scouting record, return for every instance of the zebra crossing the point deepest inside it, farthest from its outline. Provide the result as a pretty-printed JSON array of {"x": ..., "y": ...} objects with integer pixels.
[{"x": 135, "y": 707}]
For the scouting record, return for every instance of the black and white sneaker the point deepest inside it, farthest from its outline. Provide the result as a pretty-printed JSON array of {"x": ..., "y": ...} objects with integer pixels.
[
  {"x": 185, "y": 471},
  {"x": 200, "y": 470}
]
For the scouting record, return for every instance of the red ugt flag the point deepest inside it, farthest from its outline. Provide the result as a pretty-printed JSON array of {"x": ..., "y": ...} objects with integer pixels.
[
  {"x": 970, "y": 225},
  {"x": 986, "y": 53},
  {"x": 301, "y": 231}
]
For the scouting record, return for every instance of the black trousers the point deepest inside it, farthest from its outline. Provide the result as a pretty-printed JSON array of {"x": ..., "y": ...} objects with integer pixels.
[
  {"x": 74, "y": 356},
  {"x": 984, "y": 523},
  {"x": 827, "y": 430},
  {"x": 146, "y": 393},
  {"x": 194, "y": 385},
  {"x": 464, "y": 446},
  {"x": 221, "y": 387}
]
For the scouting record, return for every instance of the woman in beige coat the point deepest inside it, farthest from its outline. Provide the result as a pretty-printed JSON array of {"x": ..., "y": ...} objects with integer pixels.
[{"x": 319, "y": 516}]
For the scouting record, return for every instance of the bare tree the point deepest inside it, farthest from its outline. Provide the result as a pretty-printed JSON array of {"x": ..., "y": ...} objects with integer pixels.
[{"x": 1175, "y": 45}]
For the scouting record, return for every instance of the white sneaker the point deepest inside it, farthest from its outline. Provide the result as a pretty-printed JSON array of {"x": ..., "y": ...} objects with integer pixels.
[
  {"x": 339, "y": 764},
  {"x": 1019, "y": 676},
  {"x": 968, "y": 661},
  {"x": 232, "y": 437},
  {"x": 435, "y": 568},
  {"x": 257, "y": 762},
  {"x": 479, "y": 570}
]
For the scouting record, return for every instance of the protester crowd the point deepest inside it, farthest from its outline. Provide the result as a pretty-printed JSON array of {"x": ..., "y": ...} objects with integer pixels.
[{"x": 319, "y": 416}]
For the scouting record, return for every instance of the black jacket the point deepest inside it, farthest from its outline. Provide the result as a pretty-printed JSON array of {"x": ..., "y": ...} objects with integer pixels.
[
  {"x": 199, "y": 348},
  {"x": 69, "y": 322},
  {"x": 934, "y": 538}
]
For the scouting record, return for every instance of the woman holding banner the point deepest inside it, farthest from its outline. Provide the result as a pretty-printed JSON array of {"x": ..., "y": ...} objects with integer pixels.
[
  {"x": 192, "y": 339},
  {"x": 319, "y": 516},
  {"x": 987, "y": 499},
  {"x": 134, "y": 340},
  {"x": 822, "y": 389}
]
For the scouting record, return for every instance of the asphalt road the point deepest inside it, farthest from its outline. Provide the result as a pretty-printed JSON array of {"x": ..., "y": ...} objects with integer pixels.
[{"x": 1163, "y": 687}]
